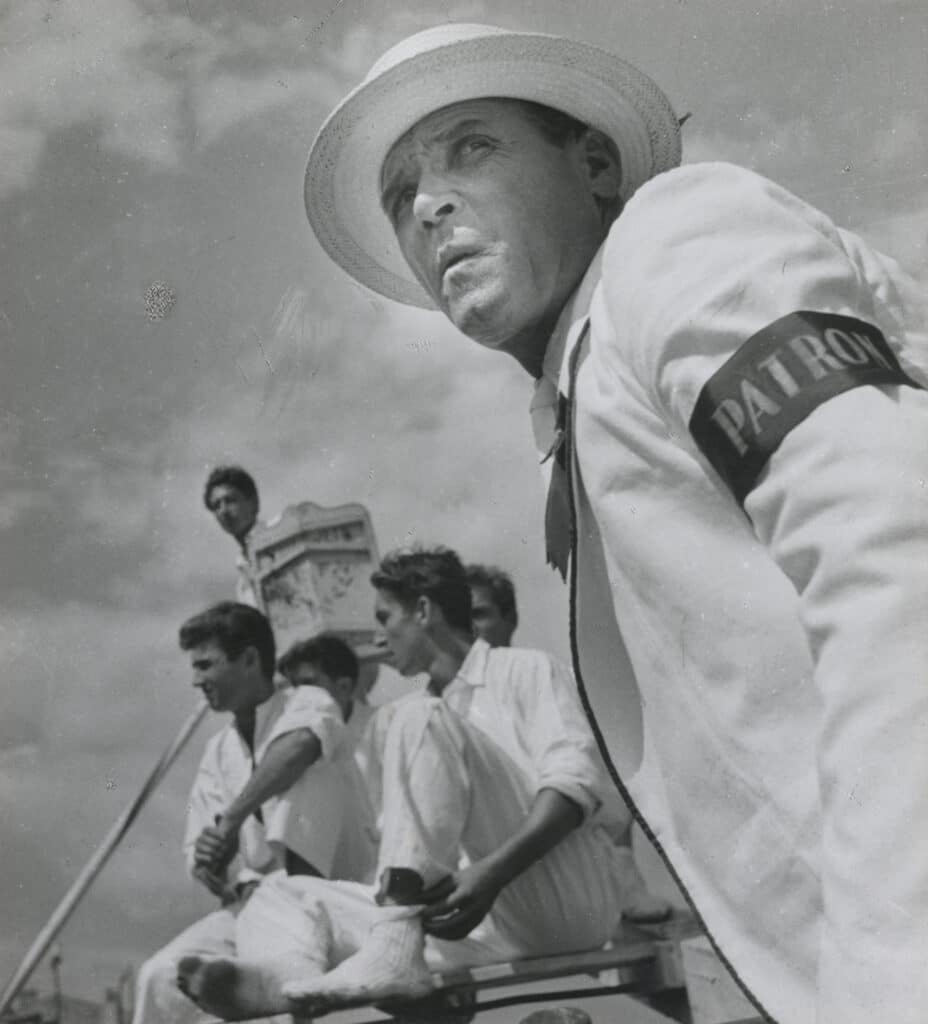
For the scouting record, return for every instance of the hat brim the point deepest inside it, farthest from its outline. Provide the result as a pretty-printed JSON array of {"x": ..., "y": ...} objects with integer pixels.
[{"x": 342, "y": 184}]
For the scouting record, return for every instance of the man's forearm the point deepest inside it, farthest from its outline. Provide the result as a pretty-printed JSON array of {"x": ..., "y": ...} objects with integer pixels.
[
  {"x": 285, "y": 761},
  {"x": 551, "y": 818}
]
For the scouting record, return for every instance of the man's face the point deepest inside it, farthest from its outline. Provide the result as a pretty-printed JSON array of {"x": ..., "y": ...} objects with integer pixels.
[
  {"x": 403, "y": 634},
  {"x": 497, "y": 223},
  {"x": 234, "y": 512},
  {"x": 227, "y": 684},
  {"x": 489, "y": 622}
]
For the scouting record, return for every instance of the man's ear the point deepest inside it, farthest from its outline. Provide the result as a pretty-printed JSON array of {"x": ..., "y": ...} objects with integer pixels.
[
  {"x": 344, "y": 687},
  {"x": 603, "y": 167},
  {"x": 424, "y": 611},
  {"x": 250, "y": 658}
]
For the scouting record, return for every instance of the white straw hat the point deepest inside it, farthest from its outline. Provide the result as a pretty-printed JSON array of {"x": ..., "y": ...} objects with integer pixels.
[{"x": 446, "y": 65}]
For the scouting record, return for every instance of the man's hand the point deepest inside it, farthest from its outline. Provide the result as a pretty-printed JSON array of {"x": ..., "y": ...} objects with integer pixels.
[
  {"x": 461, "y": 900},
  {"x": 215, "y": 847},
  {"x": 215, "y": 883}
]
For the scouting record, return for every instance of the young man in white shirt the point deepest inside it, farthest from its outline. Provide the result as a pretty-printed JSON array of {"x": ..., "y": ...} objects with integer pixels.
[
  {"x": 329, "y": 662},
  {"x": 231, "y": 494},
  {"x": 270, "y": 795}
]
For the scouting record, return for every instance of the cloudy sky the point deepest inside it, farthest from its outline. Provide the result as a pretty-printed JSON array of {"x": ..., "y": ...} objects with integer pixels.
[{"x": 147, "y": 142}]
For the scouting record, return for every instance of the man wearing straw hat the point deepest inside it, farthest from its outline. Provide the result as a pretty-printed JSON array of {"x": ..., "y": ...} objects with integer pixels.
[{"x": 730, "y": 400}]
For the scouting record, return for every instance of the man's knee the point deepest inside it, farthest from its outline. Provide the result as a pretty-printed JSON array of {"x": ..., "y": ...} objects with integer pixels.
[{"x": 156, "y": 972}]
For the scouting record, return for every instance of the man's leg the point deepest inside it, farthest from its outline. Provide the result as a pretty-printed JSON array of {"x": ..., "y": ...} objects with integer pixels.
[
  {"x": 158, "y": 1000},
  {"x": 448, "y": 787},
  {"x": 284, "y": 933},
  {"x": 570, "y": 899},
  {"x": 436, "y": 770}
]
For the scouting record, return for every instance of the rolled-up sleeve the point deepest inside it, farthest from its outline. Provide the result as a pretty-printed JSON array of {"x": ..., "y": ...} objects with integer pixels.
[
  {"x": 310, "y": 707},
  {"x": 838, "y": 493},
  {"x": 557, "y": 734}
]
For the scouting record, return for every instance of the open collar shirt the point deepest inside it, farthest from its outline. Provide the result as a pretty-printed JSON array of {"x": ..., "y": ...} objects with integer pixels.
[{"x": 228, "y": 763}]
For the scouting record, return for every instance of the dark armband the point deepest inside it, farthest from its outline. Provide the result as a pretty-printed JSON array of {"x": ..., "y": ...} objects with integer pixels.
[{"x": 775, "y": 379}]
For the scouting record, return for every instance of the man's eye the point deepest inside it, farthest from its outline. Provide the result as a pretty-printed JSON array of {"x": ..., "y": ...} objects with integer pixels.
[{"x": 472, "y": 144}]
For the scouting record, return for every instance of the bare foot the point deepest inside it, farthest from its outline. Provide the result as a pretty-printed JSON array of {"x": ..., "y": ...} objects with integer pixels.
[
  {"x": 389, "y": 966},
  {"x": 231, "y": 989}
]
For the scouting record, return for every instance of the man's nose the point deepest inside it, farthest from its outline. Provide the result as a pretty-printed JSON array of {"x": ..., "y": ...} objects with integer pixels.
[{"x": 434, "y": 202}]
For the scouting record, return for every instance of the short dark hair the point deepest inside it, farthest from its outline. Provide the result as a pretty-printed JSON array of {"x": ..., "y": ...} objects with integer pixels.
[
  {"x": 500, "y": 585},
  {"x": 233, "y": 627},
  {"x": 230, "y": 476},
  {"x": 325, "y": 651},
  {"x": 435, "y": 573},
  {"x": 559, "y": 128}
]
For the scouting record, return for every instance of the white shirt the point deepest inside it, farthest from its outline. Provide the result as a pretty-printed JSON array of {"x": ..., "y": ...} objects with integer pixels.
[
  {"x": 227, "y": 765},
  {"x": 526, "y": 702},
  {"x": 246, "y": 584},
  {"x": 760, "y": 672}
]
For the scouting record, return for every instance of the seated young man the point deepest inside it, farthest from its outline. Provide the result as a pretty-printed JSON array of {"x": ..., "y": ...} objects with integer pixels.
[
  {"x": 328, "y": 662},
  {"x": 271, "y": 788},
  {"x": 501, "y": 834}
]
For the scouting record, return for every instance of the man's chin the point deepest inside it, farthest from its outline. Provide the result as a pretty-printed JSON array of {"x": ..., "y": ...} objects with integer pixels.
[{"x": 480, "y": 317}]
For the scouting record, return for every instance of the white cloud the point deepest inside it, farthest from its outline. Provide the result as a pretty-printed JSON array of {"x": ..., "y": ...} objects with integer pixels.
[
  {"x": 69, "y": 63},
  {"x": 225, "y": 100},
  {"x": 365, "y": 41}
]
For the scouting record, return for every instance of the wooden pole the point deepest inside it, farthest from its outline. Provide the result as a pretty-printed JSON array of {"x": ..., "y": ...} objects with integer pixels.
[{"x": 99, "y": 857}]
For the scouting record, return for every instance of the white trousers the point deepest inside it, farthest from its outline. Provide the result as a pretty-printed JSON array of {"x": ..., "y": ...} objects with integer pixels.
[
  {"x": 158, "y": 1000},
  {"x": 157, "y": 997},
  {"x": 449, "y": 789}
]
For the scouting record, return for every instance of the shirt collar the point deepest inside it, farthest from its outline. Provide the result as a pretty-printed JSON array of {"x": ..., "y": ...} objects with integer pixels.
[
  {"x": 267, "y": 710},
  {"x": 244, "y": 550},
  {"x": 576, "y": 307},
  {"x": 472, "y": 671}
]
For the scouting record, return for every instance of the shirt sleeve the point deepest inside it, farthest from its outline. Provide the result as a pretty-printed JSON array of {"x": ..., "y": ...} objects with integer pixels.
[
  {"x": 310, "y": 707},
  {"x": 556, "y": 733},
  {"x": 742, "y": 313},
  {"x": 208, "y": 798}
]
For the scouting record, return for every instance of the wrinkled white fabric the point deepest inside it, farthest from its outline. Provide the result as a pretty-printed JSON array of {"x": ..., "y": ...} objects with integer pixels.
[
  {"x": 324, "y": 812},
  {"x": 760, "y": 675},
  {"x": 457, "y": 776}
]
